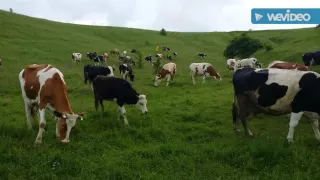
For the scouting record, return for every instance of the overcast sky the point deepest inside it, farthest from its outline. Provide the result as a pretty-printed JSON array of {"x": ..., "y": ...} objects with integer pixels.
[{"x": 173, "y": 15}]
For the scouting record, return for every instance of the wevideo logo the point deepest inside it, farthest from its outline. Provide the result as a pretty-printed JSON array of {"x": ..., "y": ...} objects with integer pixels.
[{"x": 285, "y": 16}]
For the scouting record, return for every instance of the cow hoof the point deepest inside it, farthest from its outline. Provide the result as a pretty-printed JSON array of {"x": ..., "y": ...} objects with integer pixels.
[
  {"x": 64, "y": 141},
  {"x": 290, "y": 141},
  {"x": 37, "y": 142}
]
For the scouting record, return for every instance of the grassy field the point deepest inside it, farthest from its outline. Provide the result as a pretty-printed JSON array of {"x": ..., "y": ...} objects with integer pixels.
[{"x": 188, "y": 133}]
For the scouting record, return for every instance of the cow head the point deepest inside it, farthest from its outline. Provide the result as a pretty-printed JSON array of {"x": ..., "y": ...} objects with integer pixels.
[
  {"x": 112, "y": 69},
  {"x": 142, "y": 103},
  {"x": 65, "y": 123}
]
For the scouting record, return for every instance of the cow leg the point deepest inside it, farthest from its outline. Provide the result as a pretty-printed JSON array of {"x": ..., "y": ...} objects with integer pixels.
[
  {"x": 294, "y": 121},
  {"x": 122, "y": 112},
  {"x": 192, "y": 77},
  {"x": 204, "y": 78},
  {"x": 28, "y": 110},
  {"x": 101, "y": 104},
  {"x": 235, "y": 118},
  {"x": 243, "y": 108},
  {"x": 42, "y": 124},
  {"x": 57, "y": 129},
  {"x": 96, "y": 103},
  {"x": 315, "y": 127},
  {"x": 168, "y": 80}
]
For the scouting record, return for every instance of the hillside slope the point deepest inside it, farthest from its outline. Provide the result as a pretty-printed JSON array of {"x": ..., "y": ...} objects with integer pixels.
[{"x": 188, "y": 132}]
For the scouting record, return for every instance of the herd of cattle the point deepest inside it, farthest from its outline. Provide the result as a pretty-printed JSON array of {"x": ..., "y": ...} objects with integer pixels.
[{"x": 280, "y": 88}]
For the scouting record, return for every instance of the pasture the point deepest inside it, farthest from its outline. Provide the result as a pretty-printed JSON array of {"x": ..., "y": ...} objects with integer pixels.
[{"x": 188, "y": 132}]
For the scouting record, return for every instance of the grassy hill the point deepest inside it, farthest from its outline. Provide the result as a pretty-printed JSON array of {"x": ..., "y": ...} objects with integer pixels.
[{"x": 188, "y": 133}]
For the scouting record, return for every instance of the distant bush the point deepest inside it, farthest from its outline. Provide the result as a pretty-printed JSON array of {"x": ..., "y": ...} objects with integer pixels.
[
  {"x": 268, "y": 47},
  {"x": 139, "y": 57},
  {"x": 242, "y": 46},
  {"x": 156, "y": 66},
  {"x": 318, "y": 26},
  {"x": 163, "y": 32}
]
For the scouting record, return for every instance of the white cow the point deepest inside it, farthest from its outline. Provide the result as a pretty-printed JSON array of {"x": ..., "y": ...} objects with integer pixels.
[
  {"x": 203, "y": 69},
  {"x": 168, "y": 70},
  {"x": 249, "y": 62},
  {"x": 231, "y": 63},
  {"x": 159, "y": 56},
  {"x": 76, "y": 57}
]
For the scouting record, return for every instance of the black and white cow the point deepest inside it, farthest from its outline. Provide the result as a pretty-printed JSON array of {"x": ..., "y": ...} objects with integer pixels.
[
  {"x": 91, "y": 55},
  {"x": 202, "y": 55},
  {"x": 90, "y": 72},
  {"x": 175, "y": 54},
  {"x": 311, "y": 58},
  {"x": 169, "y": 57},
  {"x": 276, "y": 91},
  {"x": 120, "y": 91},
  {"x": 165, "y": 48},
  {"x": 126, "y": 70},
  {"x": 148, "y": 58}
]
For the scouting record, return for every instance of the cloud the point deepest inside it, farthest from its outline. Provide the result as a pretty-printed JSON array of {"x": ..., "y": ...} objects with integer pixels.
[{"x": 173, "y": 15}]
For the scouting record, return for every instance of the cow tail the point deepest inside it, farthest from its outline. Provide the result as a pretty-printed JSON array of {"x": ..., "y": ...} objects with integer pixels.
[{"x": 235, "y": 111}]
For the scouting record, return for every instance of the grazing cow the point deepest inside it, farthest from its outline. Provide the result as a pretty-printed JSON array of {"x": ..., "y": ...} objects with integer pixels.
[
  {"x": 101, "y": 58},
  {"x": 90, "y": 72},
  {"x": 148, "y": 58},
  {"x": 202, "y": 55},
  {"x": 168, "y": 70},
  {"x": 115, "y": 51},
  {"x": 120, "y": 91},
  {"x": 91, "y": 55},
  {"x": 203, "y": 69},
  {"x": 126, "y": 70},
  {"x": 127, "y": 60},
  {"x": 169, "y": 57},
  {"x": 43, "y": 87},
  {"x": 276, "y": 92},
  {"x": 311, "y": 58},
  {"x": 250, "y": 62},
  {"x": 124, "y": 53},
  {"x": 175, "y": 54},
  {"x": 159, "y": 56},
  {"x": 287, "y": 65},
  {"x": 165, "y": 48},
  {"x": 231, "y": 63},
  {"x": 76, "y": 57}
]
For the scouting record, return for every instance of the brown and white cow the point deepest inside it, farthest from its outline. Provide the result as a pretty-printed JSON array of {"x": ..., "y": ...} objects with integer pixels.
[
  {"x": 43, "y": 87},
  {"x": 287, "y": 65},
  {"x": 203, "y": 69},
  {"x": 168, "y": 70}
]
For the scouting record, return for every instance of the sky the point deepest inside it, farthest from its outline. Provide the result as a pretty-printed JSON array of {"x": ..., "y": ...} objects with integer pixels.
[{"x": 172, "y": 15}]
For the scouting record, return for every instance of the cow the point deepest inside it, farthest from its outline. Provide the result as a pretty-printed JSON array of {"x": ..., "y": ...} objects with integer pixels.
[
  {"x": 168, "y": 70},
  {"x": 159, "y": 56},
  {"x": 203, "y": 69},
  {"x": 127, "y": 60},
  {"x": 249, "y": 62},
  {"x": 231, "y": 63},
  {"x": 169, "y": 57},
  {"x": 175, "y": 54},
  {"x": 202, "y": 55},
  {"x": 0, "y": 62},
  {"x": 101, "y": 58},
  {"x": 148, "y": 58},
  {"x": 124, "y": 53},
  {"x": 91, "y": 55},
  {"x": 287, "y": 65},
  {"x": 311, "y": 58},
  {"x": 126, "y": 70},
  {"x": 276, "y": 92},
  {"x": 115, "y": 52},
  {"x": 76, "y": 57},
  {"x": 90, "y": 72},
  {"x": 165, "y": 48},
  {"x": 43, "y": 87},
  {"x": 121, "y": 92}
]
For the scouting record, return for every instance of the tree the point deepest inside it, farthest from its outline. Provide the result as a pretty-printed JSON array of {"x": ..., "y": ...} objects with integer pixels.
[
  {"x": 242, "y": 46},
  {"x": 163, "y": 32}
]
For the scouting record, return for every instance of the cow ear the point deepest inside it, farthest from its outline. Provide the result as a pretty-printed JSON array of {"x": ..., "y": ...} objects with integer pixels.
[{"x": 59, "y": 115}]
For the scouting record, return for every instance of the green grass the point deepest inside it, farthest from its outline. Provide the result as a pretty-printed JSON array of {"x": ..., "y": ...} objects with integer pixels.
[{"x": 188, "y": 133}]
